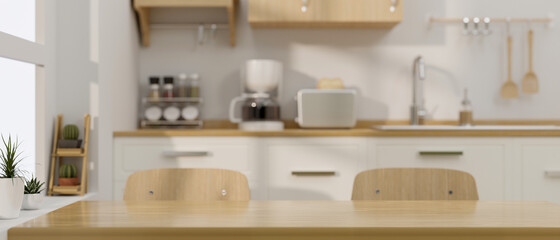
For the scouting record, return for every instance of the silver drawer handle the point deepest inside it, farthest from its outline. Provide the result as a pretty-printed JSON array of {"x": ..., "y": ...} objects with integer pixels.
[
  {"x": 440, "y": 153},
  {"x": 552, "y": 173},
  {"x": 313, "y": 173},
  {"x": 185, "y": 153}
]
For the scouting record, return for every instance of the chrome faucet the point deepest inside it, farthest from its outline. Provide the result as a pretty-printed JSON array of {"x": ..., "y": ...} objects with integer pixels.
[{"x": 417, "y": 110}]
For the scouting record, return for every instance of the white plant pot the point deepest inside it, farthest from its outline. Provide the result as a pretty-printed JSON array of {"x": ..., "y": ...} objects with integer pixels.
[
  {"x": 11, "y": 197},
  {"x": 32, "y": 201}
]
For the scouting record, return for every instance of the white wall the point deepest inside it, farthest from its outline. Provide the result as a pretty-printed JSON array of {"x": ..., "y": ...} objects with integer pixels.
[
  {"x": 118, "y": 79},
  {"x": 76, "y": 74},
  {"x": 96, "y": 73},
  {"x": 378, "y": 62}
]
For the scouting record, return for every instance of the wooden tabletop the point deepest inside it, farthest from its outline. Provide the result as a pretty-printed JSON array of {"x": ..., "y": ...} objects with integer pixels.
[{"x": 296, "y": 220}]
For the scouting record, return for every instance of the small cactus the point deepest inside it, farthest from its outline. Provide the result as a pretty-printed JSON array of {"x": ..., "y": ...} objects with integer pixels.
[
  {"x": 71, "y": 132},
  {"x": 67, "y": 171}
]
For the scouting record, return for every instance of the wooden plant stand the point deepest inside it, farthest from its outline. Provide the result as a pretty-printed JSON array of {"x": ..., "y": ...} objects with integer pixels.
[{"x": 59, "y": 153}]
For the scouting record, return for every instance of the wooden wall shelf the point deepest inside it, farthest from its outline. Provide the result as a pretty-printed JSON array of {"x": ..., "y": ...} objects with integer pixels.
[{"x": 143, "y": 8}]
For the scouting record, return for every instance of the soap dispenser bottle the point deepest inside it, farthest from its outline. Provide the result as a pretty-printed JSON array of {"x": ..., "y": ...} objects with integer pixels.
[{"x": 466, "y": 115}]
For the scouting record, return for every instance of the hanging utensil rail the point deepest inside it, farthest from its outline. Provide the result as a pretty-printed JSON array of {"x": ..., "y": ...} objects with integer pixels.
[{"x": 547, "y": 20}]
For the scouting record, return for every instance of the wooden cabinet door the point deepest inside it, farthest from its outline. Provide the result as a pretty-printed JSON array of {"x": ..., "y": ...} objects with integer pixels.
[
  {"x": 313, "y": 168},
  {"x": 325, "y": 13},
  {"x": 541, "y": 171},
  {"x": 482, "y": 158}
]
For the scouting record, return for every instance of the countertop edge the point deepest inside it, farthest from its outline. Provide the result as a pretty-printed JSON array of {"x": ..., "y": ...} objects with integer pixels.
[{"x": 365, "y": 132}]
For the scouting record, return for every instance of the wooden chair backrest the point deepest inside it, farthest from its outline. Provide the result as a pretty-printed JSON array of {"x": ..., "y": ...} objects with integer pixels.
[
  {"x": 187, "y": 184},
  {"x": 414, "y": 184}
]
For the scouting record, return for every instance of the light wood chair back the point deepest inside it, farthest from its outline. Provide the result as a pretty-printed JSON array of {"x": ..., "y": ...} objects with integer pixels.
[
  {"x": 414, "y": 184},
  {"x": 187, "y": 184}
]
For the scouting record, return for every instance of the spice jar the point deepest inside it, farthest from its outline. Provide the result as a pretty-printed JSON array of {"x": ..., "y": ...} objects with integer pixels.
[
  {"x": 194, "y": 88},
  {"x": 168, "y": 87},
  {"x": 182, "y": 89},
  {"x": 154, "y": 88}
]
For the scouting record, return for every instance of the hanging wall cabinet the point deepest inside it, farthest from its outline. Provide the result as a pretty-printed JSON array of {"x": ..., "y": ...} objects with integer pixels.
[
  {"x": 325, "y": 13},
  {"x": 143, "y": 8}
]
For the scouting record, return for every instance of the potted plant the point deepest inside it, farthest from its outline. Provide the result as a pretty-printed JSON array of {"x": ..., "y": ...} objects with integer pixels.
[
  {"x": 32, "y": 198},
  {"x": 67, "y": 175},
  {"x": 11, "y": 182},
  {"x": 70, "y": 134}
]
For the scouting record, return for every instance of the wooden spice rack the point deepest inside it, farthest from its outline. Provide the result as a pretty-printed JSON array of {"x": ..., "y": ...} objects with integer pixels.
[{"x": 60, "y": 153}]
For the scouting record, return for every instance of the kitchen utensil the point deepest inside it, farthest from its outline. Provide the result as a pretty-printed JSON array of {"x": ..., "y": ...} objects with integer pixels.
[
  {"x": 509, "y": 89},
  {"x": 326, "y": 108},
  {"x": 262, "y": 75},
  {"x": 258, "y": 113},
  {"x": 530, "y": 83},
  {"x": 466, "y": 21},
  {"x": 260, "y": 83},
  {"x": 475, "y": 30},
  {"x": 486, "y": 30}
]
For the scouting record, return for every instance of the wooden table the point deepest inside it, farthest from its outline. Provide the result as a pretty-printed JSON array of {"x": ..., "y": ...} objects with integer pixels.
[{"x": 436, "y": 220}]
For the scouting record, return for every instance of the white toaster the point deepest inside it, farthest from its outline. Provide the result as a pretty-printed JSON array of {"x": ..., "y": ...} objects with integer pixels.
[{"x": 326, "y": 108}]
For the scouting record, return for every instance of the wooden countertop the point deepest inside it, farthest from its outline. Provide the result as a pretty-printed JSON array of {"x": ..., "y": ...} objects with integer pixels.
[
  {"x": 222, "y": 128},
  {"x": 356, "y": 132},
  {"x": 296, "y": 220}
]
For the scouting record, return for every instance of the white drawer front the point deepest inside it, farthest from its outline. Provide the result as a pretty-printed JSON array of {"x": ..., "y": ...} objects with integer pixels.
[
  {"x": 149, "y": 156},
  {"x": 541, "y": 172},
  {"x": 136, "y": 154},
  {"x": 485, "y": 162},
  {"x": 313, "y": 172}
]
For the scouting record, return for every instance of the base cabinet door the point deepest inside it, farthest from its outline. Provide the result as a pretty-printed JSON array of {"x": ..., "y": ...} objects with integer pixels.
[
  {"x": 136, "y": 154},
  {"x": 482, "y": 158},
  {"x": 314, "y": 168},
  {"x": 541, "y": 172}
]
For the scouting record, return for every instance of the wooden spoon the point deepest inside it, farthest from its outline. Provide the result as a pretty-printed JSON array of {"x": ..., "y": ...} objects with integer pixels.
[
  {"x": 509, "y": 89},
  {"x": 530, "y": 83}
]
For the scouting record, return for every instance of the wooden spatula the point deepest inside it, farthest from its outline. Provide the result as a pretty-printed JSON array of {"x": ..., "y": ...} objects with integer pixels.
[
  {"x": 530, "y": 83},
  {"x": 509, "y": 89}
]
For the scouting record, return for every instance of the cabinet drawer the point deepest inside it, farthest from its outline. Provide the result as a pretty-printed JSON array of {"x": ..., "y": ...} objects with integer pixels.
[
  {"x": 484, "y": 161},
  {"x": 313, "y": 171},
  {"x": 132, "y": 155},
  {"x": 541, "y": 172}
]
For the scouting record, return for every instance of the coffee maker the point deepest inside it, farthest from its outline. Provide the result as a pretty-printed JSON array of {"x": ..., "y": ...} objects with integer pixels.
[{"x": 261, "y": 80}]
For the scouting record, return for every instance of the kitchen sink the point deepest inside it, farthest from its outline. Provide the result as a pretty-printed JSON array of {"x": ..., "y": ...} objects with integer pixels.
[{"x": 466, "y": 128}]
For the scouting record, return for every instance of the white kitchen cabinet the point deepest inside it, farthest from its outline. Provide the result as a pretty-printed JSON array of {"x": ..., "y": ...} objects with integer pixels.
[
  {"x": 314, "y": 168},
  {"x": 141, "y": 153},
  {"x": 277, "y": 168},
  {"x": 484, "y": 158},
  {"x": 324, "y": 168},
  {"x": 540, "y": 169}
]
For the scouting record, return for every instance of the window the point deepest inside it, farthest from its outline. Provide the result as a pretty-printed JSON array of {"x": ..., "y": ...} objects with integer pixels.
[
  {"x": 17, "y": 104},
  {"x": 17, "y": 18},
  {"x": 21, "y": 62}
]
